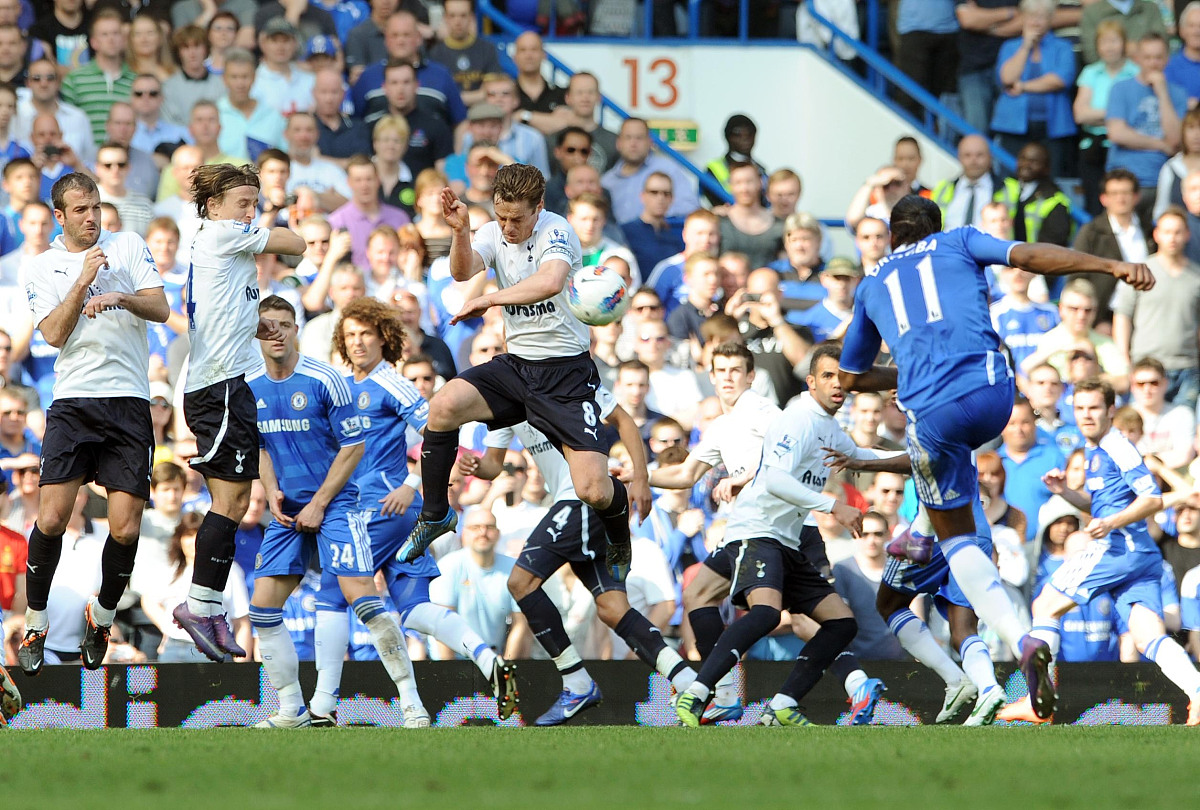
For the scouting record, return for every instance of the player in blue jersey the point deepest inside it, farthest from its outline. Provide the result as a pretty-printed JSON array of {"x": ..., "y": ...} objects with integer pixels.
[
  {"x": 311, "y": 441},
  {"x": 1123, "y": 559},
  {"x": 1019, "y": 321},
  {"x": 903, "y": 580},
  {"x": 928, "y": 301},
  {"x": 370, "y": 339}
]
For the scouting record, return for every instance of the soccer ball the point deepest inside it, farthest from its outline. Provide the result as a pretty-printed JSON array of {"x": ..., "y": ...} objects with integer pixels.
[{"x": 597, "y": 295}]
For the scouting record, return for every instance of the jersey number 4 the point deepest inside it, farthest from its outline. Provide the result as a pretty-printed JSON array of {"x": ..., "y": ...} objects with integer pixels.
[{"x": 929, "y": 291}]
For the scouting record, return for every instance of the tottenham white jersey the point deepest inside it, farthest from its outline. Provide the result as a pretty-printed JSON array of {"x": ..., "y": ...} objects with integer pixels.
[
  {"x": 792, "y": 444},
  {"x": 545, "y": 329},
  {"x": 105, "y": 356},
  {"x": 548, "y": 458},
  {"x": 735, "y": 439},
  {"x": 221, "y": 302}
]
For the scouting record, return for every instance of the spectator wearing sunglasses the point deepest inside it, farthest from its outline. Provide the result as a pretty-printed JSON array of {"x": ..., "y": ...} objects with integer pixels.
[
  {"x": 572, "y": 147},
  {"x": 152, "y": 130},
  {"x": 112, "y": 170},
  {"x": 651, "y": 238}
]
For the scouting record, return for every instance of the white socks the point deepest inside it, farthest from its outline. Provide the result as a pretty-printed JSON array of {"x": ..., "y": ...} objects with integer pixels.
[
  {"x": 452, "y": 630},
  {"x": 854, "y": 680},
  {"x": 914, "y": 636},
  {"x": 101, "y": 615},
  {"x": 977, "y": 662},
  {"x": 36, "y": 620},
  {"x": 331, "y": 639},
  {"x": 393, "y": 652},
  {"x": 668, "y": 662},
  {"x": 1049, "y": 631},
  {"x": 1175, "y": 664},
  {"x": 279, "y": 659},
  {"x": 204, "y": 601},
  {"x": 980, "y": 583}
]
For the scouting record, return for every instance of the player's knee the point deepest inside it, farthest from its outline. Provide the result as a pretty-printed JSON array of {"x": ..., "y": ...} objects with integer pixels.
[
  {"x": 841, "y": 631},
  {"x": 612, "y": 610},
  {"x": 595, "y": 491},
  {"x": 766, "y": 617},
  {"x": 521, "y": 583}
]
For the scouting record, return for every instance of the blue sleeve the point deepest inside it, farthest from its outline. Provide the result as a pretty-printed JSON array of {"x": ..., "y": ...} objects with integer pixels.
[
  {"x": 1119, "y": 101},
  {"x": 1170, "y": 593},
  {"x": 1179, "y": 98},
  {"x": 1007, "y": 49},
  {"x": 1060, "y": 60},
  {"x": 343, "y": 416},
  {"x": 985, "y": 249},
  {"x": 415, "y": 414},
  {"x": 861, "y": 344}
]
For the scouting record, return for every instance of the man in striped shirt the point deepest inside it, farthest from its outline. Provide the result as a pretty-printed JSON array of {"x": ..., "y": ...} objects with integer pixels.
[{"x": 106, "y": 79}]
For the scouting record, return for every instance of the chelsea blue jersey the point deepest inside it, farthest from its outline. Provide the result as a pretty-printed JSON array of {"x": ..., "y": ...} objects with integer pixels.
[
  {"x": 929, "y": 303},
  {"x": 1022, "y": 327},
  {"x": 1116, "y": 476},
  {"x": 386, "y": 403},
  {"x": 303, "y": 422}
]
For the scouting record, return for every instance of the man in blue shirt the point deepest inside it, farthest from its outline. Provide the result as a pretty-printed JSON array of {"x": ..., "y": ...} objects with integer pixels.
[
  {"x": 1123, "y": 560},
  {"x": 1144, "y": 116},
  {"x": 651, "y": 238},
  {"x": 1183, "y": 68},
  {"x": 825, "y": 318},
  {"x": 311, "y": 439},
  {"x": 928, "y": 301},
  {"x": 370, "y": 339},
  {"x": 1027, "y": 457}
]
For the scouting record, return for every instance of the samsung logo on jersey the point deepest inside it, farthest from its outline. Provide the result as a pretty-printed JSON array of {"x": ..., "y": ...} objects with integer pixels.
[
  {"x": 531, "y": 310},
  {"x": 283, "y": 425}
]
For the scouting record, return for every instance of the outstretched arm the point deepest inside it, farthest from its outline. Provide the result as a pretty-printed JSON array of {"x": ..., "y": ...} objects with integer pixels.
[
  {"x": 879, "y": 378},
  {"x": 1052, "y": 260}
]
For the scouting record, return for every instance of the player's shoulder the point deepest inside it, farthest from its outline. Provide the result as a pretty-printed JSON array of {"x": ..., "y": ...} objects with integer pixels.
[
  {"x": 391, "y": 381},
  {"x": 756, "y": 406},
  {"x": 554, "y": 231},
  {"x": 1120, "y": 450},
  {"x": 1190, "y": 585},
  {"x": 256, "y": 375},
  {"x": 322, "y": 374}
]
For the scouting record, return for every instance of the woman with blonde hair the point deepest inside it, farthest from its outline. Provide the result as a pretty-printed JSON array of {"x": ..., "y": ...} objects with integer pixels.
[
  {"x": 430, "y": 223},
  {"x": 390, "y": 142},
  {"x": 1091, "y": 105}
]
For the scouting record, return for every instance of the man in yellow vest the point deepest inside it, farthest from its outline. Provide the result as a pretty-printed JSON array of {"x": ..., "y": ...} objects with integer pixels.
[
  {"x": 1043, "y": 212},
  {"x": 740, "y": 133},
  {"x": 962, "y": 198}
]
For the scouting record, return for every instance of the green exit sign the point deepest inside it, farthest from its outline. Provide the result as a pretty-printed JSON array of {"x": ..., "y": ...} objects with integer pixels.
[{"x": 681, "y": 135}]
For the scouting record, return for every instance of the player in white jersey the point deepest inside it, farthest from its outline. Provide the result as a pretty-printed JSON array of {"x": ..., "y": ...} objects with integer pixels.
[
  {"x": 570, "y": 533},
  {"x": 221, "y": 300},
  {"x": 91, "y": 295},
  {"x": 547, "y": 377},
  {"x": 772, "y": 571},
  {"x": 735, "y": 440}
]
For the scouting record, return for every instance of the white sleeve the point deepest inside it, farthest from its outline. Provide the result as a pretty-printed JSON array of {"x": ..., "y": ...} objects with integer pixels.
[
  {"x": 501, "y": 438},
  {"x": 238, "y": 237},
  {"x": 785, "y": 443},
  {"x": 708, "y": 449},
  {"x": 142, "y": 270},
  {"x": 484, "y": 243},
  {"x": 561, "y": 244},
  {"x": 39, "y": 289}
]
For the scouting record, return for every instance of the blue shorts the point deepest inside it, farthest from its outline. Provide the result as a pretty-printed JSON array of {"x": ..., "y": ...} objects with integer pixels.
[
  {"x": 941, "y": 441},
  {"x": 1129, "y": 577},
  {"x": 387, "y": 535},
  {"x": 342, "y": 544},
  {"x": 933, "y": 578}
]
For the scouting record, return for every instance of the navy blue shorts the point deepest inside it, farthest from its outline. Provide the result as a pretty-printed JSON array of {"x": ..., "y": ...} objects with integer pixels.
[
  {"x": 560, "y": 397},
  {"x": 570, "y": 533},
  {"x": 764, "y": 562}
]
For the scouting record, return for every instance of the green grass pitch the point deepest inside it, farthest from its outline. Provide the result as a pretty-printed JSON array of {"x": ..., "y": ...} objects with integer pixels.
[{"x": 604, "y": 767}]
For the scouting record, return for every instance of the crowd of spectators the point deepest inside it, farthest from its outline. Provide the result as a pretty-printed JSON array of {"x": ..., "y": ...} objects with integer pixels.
[{"x": 357, "y": 115}]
